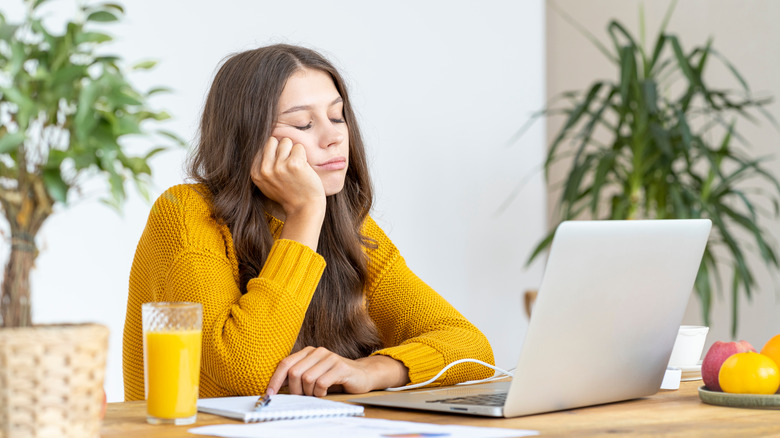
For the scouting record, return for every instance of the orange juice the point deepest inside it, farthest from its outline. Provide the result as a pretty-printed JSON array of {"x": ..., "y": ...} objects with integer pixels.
[{"x": 173, "y": 371}]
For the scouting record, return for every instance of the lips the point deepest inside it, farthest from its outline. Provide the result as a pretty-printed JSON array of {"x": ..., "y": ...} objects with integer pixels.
[{"x": 337, "y": 163}]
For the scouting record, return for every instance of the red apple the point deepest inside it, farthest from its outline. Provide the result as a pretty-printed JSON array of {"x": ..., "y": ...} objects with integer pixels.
[{"x": 716, "y": 355}]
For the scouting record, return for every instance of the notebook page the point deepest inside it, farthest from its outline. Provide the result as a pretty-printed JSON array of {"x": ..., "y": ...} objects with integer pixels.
[{"x": 281, "y": 407}]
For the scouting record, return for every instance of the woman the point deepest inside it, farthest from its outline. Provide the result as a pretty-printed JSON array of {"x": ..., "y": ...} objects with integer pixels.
[{"x": 299, "y": 286}]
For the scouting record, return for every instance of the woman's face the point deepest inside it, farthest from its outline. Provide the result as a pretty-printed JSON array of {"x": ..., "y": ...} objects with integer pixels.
[{"x": 311, "y": 113}]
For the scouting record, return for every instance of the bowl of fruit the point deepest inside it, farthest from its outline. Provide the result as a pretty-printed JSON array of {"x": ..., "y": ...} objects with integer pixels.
[{"x": 737, "y": 375}]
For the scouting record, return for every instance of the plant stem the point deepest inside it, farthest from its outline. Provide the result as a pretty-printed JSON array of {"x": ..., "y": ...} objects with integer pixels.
[
  {"x": 16, "y": 282},
  {"x": 26, "y": 210}
]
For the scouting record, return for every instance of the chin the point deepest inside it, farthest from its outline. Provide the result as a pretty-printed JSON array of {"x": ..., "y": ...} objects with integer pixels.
[
  {"x": 333, "y": 186},
  {"x": 333, "y": 191}
]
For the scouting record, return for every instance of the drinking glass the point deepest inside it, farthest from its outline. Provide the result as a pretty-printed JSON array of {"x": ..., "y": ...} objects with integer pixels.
[{"x": 172, "y": 345}]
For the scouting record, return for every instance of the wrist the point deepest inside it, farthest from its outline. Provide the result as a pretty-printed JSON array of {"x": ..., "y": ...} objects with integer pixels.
[
  {"x": 385, "y": 372},
  {"x": 304, "y": 225},
  {"x": 311, "y": 210}
]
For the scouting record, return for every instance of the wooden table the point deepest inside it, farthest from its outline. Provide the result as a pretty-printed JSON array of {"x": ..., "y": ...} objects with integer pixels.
[{"x": 667, "y": 413}]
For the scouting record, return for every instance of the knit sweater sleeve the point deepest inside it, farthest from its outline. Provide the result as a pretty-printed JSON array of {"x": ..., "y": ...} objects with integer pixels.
[
  {"x": 419, "y": 327},
  {"x": 244, "y": 336}
]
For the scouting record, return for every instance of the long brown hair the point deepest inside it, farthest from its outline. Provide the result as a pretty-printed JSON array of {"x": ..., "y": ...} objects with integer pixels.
[{"x": 238, "y": 118}]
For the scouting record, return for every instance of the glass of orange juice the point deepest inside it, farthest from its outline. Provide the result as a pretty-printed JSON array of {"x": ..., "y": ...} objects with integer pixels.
[{"x": 172, "y": 339}]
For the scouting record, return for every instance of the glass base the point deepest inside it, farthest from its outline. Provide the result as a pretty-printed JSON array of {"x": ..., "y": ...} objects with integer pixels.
[{"x": 175, "y": 421}]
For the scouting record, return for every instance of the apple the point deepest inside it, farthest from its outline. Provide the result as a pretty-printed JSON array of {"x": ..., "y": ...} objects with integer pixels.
[{"x": 716, "y": 355}]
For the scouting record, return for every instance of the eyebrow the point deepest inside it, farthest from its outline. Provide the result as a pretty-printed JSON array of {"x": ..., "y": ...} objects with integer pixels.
[{"x": 307, "y": 107}]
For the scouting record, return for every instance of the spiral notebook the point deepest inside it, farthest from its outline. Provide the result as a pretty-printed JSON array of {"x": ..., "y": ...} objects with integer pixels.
[{"x": 281, "y": 407}]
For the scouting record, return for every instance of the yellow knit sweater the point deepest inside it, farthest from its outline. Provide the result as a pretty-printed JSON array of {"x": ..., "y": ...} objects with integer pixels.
[{"x": 184, "y": 255}]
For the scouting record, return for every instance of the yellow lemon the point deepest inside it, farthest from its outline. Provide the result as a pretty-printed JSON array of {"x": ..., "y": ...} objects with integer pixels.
[{"x": 749, "y": 373}]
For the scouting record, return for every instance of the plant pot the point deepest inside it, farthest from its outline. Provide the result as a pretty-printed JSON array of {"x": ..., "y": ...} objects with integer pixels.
[{"x": 51, "y": 380}]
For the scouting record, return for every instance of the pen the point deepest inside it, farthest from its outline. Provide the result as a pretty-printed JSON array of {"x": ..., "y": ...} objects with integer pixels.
[{"x": 262, "y": 401}]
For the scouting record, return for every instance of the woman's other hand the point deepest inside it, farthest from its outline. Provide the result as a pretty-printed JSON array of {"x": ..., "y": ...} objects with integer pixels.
[
  {"x": 281, "y": 171},
  {"x": 313, "y": 371}
]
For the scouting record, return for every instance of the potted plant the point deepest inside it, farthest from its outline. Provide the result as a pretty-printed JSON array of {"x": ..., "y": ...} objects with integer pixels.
[
  {"x": 66, "y": 112},
  {"x": 659, "y": 142}
]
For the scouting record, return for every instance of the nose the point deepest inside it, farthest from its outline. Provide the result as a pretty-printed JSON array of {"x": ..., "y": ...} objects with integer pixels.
[{"x": 331, "y": 135}]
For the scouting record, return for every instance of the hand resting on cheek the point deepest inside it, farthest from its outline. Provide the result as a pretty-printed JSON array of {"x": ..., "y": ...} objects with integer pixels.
[{"x": 281, "y": 171}]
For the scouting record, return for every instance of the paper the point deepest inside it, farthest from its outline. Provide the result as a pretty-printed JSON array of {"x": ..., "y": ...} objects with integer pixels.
[
  {"x": 281, "y": 407},
  {"x": 354, "y": 428},
  {"x": 671, "y": 378}
]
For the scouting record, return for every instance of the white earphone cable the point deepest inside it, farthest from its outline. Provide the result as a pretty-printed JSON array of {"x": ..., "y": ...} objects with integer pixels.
[{"x": 502, "y": 373}]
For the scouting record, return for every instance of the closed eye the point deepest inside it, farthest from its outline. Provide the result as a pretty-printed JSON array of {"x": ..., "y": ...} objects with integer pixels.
[
  {"x": 303, "y": 128},
  {"x": 337, "y": 120}
]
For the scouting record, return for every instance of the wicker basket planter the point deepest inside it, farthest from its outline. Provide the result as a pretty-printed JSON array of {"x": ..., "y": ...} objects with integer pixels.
[{"x": 51, "y": 380}]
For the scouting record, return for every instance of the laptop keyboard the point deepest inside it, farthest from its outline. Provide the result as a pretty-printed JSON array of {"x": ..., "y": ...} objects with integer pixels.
[{"x": 496, "y": 399}]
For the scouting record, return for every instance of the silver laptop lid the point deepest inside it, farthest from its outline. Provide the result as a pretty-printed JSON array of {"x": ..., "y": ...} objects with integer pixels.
[{"x": 607, "y": 313}]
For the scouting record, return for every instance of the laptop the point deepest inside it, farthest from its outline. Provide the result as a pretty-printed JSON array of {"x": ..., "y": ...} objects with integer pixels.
[{"x": 603, "y": 326}]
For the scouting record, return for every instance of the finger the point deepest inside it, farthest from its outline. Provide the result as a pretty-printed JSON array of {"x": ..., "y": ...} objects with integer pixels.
[
  {"x": 268, "y": 156},
  {"x": 332, "y": 380},
  {"x": 298, "y": 153},
  {"x": 283, "y": 150},
  {"x": 279, "y": 377},
  {"x": 273, "y": 390},
  {"x": 311, "y": 380},
  {"x": 295, "y": 374}
]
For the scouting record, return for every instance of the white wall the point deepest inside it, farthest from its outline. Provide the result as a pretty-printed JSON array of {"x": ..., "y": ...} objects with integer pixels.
[{"x": 439, "y": 88}]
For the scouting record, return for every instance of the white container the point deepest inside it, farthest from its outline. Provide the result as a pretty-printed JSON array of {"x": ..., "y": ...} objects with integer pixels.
[{"x": 688, "y": 346}]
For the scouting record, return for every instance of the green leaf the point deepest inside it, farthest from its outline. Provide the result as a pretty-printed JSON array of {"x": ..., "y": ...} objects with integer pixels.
[
  {"x": 115, "y": 6},
  {"x": 173, "y": 136},
  {"x": 138, "y": 165},
  {"x": 657, "y": 49},
  {"x": 85, "y": 120},
  {"x": 540, "y": 247},
  {"x": 56, "y": 157},
  {"x": 735, "y": 302},
  {"x": 108, "y": 60},
  {"x": 7, "y": 31},
  {"x": 11, "y": 142},
  {"x": 703, "y": 289},
  {"x": 159, "y": 116},
  {"x": 574, "y": 116},
  {"x": 68, "y": 77},
  {"x": 731, "y": 68},
  {"x": 583, "y": 30},
  {"x": 158, "y": 90},
  {"x": 650, "y": 96},
  {"x": 604, "y": 165},
  {"x": 627, "y": 74},
  {"x": 616, "y": 29},
  {"x": 154, "y": 152},
  {"x": 667, "y": 17},
  {"x": 102, "y": 17},
  {"x": 92, "y": 37},
  {"x": 117, "y": 183},
  {"x": 57, "y": 188},
  {"x": 18, "y": 56},
  {"x": 144, "y": 65},
  {"x": 121, "y": 98},
  {"x": 125, "y": 126}
]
